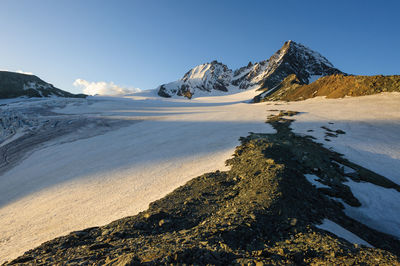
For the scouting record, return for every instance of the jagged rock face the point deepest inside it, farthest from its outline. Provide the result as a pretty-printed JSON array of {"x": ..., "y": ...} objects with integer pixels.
[
  {"x": 251, "y": 75},
  {"x": 206, "y": 78},
  {"x": 14, "y": 85},
  {"x": 292, "y": 58}
]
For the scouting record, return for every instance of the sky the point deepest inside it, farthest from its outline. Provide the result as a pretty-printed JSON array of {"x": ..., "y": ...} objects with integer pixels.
[{"x": 132, "y": 44}]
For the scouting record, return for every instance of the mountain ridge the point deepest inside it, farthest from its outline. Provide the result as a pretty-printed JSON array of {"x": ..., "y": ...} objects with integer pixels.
[
  {"x": 13, "y": 84},
  {"x": 292, "y": 58}
]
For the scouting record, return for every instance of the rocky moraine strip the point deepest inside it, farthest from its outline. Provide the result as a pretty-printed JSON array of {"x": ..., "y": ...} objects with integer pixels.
[{"x": 262, "y": 211}]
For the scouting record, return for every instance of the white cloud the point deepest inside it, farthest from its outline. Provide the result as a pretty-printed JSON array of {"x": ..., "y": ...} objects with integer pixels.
[{"x": 102, "y": 88}]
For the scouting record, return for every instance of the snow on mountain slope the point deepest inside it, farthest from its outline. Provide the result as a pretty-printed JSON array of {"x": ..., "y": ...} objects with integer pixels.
[
  {"x": 292, "y": 58},
  {"x": 206, "y": 77}
]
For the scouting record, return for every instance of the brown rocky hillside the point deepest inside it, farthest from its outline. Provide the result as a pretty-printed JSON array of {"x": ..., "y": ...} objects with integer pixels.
[{"x": 333, "y": 86}]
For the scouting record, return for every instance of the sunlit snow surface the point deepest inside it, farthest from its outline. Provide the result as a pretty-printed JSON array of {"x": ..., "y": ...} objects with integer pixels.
[
  {"x": 65, "y": 186},
  {"x": 371, "y": 123},
  {"x": 372, "y": 140}
]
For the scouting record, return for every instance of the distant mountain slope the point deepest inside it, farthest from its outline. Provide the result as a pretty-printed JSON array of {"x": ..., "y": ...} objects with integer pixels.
[
  {"x": 292, "y": 58},
  {"x": 334, "y": 86},
  {"x": 14, "y": 85}
]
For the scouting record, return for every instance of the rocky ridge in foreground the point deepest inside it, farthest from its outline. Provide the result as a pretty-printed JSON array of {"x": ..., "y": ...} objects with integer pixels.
[{"x": 263, "y": 210}]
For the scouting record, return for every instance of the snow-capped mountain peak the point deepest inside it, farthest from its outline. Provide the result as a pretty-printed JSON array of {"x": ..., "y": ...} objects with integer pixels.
[
  {"x": 295, "y": 58},
  {"x": 292, "y": 58},
  {"x": 205, "y": 77}
]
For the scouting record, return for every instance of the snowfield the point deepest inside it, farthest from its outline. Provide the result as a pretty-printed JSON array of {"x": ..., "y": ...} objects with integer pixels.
[
  {"x": 69, "y": 184},
  {"x": 371, "y": 124},
  {"x": 146, "y": 146},
  {"x": 372, "y": 140}
]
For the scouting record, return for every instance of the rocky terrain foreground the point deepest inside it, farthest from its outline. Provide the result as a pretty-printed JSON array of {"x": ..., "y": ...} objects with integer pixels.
[{"x": 263, "y": 210}]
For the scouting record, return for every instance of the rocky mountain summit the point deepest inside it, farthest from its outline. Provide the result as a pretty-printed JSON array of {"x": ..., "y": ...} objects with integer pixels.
[
  {"x": 292, "y": 58},
  {"x": 14, "y": 85}
]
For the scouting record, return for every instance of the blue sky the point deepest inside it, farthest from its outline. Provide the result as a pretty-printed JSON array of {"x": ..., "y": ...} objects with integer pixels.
[{"x": 143, "y": 44}]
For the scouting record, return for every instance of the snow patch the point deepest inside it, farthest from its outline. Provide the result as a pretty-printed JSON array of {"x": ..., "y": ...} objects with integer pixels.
[
  {"x": 346, "y": 169},
  {"x": 371, "y": 125},
  {"x": 336, "y": 229},
  {"x": 380, "y": 207},
  {"x": 313, "y": 179}
]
